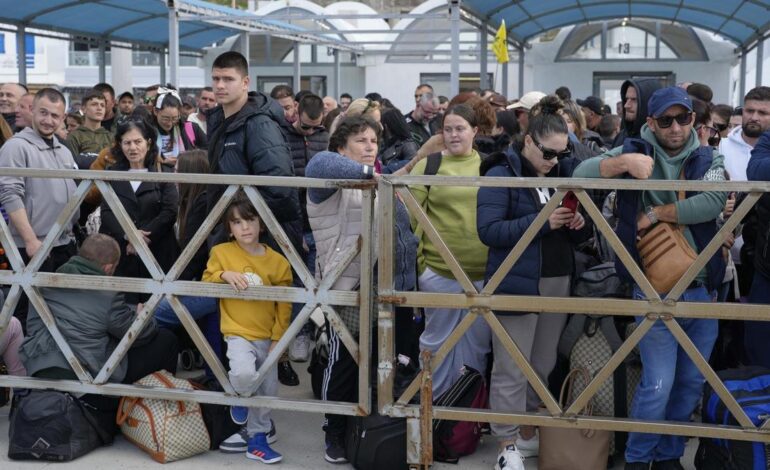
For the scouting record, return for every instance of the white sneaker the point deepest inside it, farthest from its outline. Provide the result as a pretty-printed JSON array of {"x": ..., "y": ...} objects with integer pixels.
[
  {"x": 510, "y": 459},
  {"x": 300, "y": 349},
  {"x": 528, "y": 447}
]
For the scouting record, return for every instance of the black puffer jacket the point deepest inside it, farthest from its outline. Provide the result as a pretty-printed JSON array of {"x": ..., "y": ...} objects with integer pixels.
[
  {"x": 645, "y": 87},
  {"x": 304, "y": 147},
  {"x": 265, "y": 152}
]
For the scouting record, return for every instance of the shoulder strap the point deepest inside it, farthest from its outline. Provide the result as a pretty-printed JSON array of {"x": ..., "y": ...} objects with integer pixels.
[
  {"x": 432, "y": 166},
  {"x": 188, "y": 129},
  {"x": 434, "y": 163}
]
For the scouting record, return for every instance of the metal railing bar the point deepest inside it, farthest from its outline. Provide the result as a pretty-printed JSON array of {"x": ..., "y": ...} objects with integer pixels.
[
  {"x": 574, "y": 184},
  {"x": 368, "y": 260},
  {"x": 9, "y": 306},
  {"x": 128, "y": 339},
  {"x": 275, "y": 354},
  {"x": 59, "y": 225},
  {"x": 200, "y": 396},
  {"x": 609, "y": 368},
  {"x": 211, "y": 220},
  {"x": 385, "y": 315},
  {"x": 440, "y": 354},
  {"x": 339, "y": 326},
  {"x": 523, "y": 243},
  {"x": 617, "y": 246},
  {"x": 10, "y": 247},
  {"x": 334, "y": 274},
  {"x": 201, "y": 343},
  {"x": 193, "y": 288},
  {"x": 602, "y": 422},
  {"x": 416, "y": 211},
  {"x": 708, "y": 373},
  {"x": 522, "y": 363},
  {"x": 130, "y": 230},
  {"x": 587, "y": 306},
  {"x": 36, "y": 300},
  {"x": 193, "y": 178},
  {"x": 715, "y": 244},
  {"x": 280, "y": 237}
]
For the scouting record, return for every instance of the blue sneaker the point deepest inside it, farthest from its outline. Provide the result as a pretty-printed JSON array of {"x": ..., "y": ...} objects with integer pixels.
[
  {"x": 261, "y": 451},
  {"x": 239, "y": 414}
]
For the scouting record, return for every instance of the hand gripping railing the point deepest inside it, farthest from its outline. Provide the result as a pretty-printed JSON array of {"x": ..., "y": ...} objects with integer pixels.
[
  {"x": 484, "y": 304},
  {"x": 28, "y": 279}
]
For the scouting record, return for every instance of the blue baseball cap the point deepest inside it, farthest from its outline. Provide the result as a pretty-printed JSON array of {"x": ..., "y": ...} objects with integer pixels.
[{"x": 665, "y": 98}]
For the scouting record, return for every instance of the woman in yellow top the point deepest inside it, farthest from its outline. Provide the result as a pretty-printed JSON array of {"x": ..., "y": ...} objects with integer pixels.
[
  {"x": 251, "y": 327},
  {"x": 452, "y": 211}
]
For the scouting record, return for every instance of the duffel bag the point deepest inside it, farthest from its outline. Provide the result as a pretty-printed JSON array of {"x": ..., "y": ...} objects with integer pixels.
[
  {"x": 52, "y": 425},
  {"x": 168, "y": 430}
]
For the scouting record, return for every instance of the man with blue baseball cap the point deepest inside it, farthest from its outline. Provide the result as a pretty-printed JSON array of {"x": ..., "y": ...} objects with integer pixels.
[{"x": 668, "y": 149}]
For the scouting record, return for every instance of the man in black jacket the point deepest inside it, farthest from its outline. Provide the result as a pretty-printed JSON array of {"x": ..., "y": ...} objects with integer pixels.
[
  {"x": 306, "y": 137},
  {"x": 634, "y": 95},
  {"x": 245, "y": 138}
]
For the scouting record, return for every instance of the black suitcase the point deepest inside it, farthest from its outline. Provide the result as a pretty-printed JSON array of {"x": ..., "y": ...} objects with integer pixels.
[
  {"x": 376, "y": 443},
  {"x": 751, "y": 388}
]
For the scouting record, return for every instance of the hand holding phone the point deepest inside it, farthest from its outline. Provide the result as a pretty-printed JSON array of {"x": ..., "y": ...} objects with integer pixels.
[{"x": 570, "y": 201}]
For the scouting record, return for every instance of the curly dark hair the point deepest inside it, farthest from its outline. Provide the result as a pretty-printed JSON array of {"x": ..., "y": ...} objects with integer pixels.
[{"x": 351, "y": 126}]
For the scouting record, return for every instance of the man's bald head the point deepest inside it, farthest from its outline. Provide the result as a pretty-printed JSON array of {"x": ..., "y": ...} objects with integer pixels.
[{"x": 10, "y": 93}]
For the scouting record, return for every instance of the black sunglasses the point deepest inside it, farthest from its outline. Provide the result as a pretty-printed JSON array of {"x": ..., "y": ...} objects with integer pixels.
[
  {"x": 550, "y": 154},
  {"x": 720, "y": 127},
  {"x": 664, "y": 122},
  {"x": 307, "y": 127}
]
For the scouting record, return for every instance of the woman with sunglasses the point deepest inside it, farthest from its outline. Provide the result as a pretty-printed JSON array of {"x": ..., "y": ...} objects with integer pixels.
[
  {"x": 174, "y": 137},
  {"x": 452, "y": 211},
  {"x": 545, "y": 267}
]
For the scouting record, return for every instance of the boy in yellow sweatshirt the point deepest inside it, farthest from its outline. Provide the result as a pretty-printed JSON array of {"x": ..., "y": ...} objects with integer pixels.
[{"x": 251, "y": 327}]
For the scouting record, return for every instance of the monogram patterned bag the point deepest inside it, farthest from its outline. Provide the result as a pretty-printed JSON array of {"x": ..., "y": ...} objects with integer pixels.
[{"x": 167, "y": 430}]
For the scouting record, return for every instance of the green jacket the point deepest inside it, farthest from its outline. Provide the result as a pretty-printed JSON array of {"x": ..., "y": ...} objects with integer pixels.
[
  {"x": 92, "y": 323},
  {"x": 85, "y": 140}
]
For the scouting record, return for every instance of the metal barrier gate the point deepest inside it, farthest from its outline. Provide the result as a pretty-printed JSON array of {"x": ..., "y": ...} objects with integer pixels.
[
  {"x": 28, "y": 279},
  {"x": 419, "y": 417},
  {"x": 483, "y": 303}
]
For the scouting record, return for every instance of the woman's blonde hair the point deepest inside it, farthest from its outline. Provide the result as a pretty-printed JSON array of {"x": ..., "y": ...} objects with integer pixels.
[{"x": 362, "y": 107}]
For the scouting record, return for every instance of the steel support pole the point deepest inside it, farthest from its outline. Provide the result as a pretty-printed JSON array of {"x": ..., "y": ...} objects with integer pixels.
[
  {"x": 454, "y": 81},
  {"x": 604, "y": 40},
  {"x": 297, "y": 82},
  {"x": 760, "y": 53},
  {"x": 102, "y": 61},
  {"x": 521, "y": 71},
  {"x": 337, "y": 88},
  {"x": 21, "y": 54},
  {"x": 742, "y": 80},
  {"x": 162, "y": 55},
  {"x": 483, "y": 84},
  {"x": 657, "y": 40},
  {"x": 173, "y": 43}
]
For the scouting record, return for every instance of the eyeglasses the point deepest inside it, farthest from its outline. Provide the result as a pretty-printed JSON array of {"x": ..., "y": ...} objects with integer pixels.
[
  {"x": 550, "y": 154},
  {"x": 664, "y": 122},
  {"x": 168, "y": 119}
]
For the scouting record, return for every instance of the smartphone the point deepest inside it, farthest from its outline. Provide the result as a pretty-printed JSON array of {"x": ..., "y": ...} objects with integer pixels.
[{"x": 570, "y": 201}]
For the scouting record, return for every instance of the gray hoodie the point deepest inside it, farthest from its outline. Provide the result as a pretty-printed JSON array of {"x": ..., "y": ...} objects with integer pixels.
[{"x": 43, "y": 198}]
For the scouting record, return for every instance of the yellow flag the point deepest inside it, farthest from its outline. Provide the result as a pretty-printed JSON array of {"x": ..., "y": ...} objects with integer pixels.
[{"x": 500, "y": 47}]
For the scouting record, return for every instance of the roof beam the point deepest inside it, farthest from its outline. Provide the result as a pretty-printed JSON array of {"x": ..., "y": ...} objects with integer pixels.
[{"x": 342, "y": 16}]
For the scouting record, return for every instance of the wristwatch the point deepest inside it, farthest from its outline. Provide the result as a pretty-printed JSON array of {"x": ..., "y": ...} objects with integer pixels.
[{"x": 650, "y": 212}]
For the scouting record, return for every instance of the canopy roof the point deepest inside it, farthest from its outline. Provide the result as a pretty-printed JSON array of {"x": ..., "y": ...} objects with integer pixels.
[
  {"x": 141, "y": 22},
  {"x": 741, "y": 21}
]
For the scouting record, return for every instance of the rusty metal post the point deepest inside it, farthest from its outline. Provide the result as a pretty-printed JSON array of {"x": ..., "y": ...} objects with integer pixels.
[{"x": 426, "y": 411}]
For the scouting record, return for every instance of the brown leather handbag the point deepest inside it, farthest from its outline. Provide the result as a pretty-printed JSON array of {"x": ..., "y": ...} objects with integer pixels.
[
  {"x": 666, "y": 255},
  {"x": 572, "y": 448}
]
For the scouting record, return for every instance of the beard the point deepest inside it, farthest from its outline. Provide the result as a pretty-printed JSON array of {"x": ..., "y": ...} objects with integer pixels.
[{"x": 753, "y": 130}]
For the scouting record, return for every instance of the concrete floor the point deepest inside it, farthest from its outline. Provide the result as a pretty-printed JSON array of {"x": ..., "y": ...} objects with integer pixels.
[{"x": 300, "y": 441}]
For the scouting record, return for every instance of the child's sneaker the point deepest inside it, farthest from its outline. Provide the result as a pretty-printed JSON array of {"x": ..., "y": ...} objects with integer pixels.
[
  {"x": 528, "y": 447},
  {"x": 239, "y": 442},
  {"x": 509, "y": 459},
  {"x": 260, "y": 450},
  {"x": 239, "y": 414}
]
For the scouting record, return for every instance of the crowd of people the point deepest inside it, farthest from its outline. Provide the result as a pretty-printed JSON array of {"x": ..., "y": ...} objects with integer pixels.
[{"x": 656, "y": 132}]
